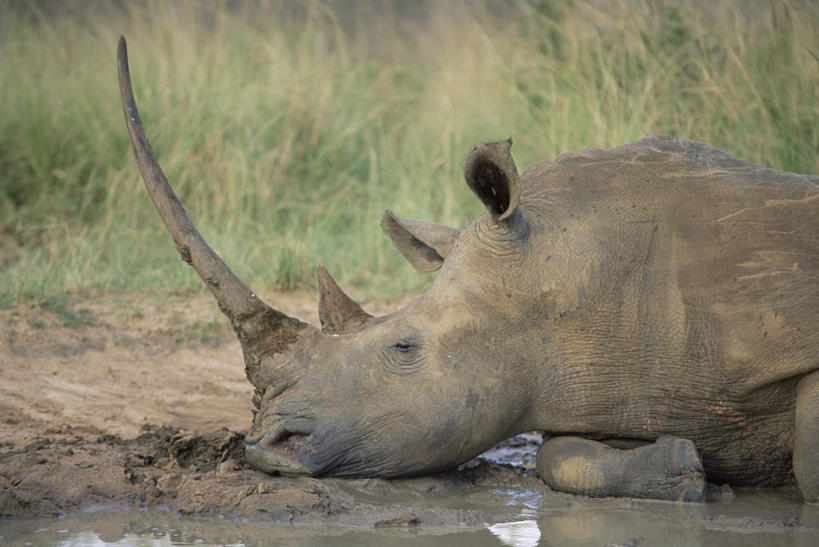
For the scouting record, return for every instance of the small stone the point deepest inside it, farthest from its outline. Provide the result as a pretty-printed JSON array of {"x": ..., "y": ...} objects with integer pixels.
[
  {"x": 168, "y": 483},
  {"x": 244, "y": 492},
  {"x": 404, "y": 521},
  {"x": 791, "y": 522},
  {"x": 226, "y": 467}
]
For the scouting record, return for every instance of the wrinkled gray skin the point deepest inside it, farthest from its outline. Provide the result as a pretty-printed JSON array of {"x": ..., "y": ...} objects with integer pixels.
[{"x": 654, "y": 307}]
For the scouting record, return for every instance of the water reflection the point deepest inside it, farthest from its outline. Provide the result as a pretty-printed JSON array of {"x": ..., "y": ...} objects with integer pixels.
[
  {"x": 524, "y": 533},
  {"x": 753, "y": 518}
]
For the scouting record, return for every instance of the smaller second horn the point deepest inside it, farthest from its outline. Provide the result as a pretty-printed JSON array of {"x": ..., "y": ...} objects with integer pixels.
[{"x": 338, "y": 313}]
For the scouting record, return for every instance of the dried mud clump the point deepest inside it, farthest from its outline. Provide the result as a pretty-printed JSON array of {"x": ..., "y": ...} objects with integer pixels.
[
  {"x": 69, "y": 468},
  {"x": 167, "y": 446}
]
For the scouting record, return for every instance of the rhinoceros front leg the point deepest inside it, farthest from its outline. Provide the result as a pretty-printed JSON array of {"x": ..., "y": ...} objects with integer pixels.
[
  {"x": 806, "y": 437},
  {"x": 669, "y": 469}
]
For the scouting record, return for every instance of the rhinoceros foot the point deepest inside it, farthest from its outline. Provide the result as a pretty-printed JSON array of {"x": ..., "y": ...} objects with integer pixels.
[
  {"x": 669, "y": 469},
  {"x": 672, "y": 470}
]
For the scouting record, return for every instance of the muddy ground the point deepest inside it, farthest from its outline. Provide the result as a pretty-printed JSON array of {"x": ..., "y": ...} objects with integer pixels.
[
  {"x": 134, "y": 401},
  {"x": 140, "y": 401}
]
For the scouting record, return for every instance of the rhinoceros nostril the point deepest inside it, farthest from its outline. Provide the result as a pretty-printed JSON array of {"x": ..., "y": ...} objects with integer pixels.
[
  {"x": 281, "y": 433},
  {"x": 287, "y": 435}
]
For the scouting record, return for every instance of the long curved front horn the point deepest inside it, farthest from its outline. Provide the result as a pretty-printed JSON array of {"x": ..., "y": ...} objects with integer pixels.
[{"x": 261, "y": 329}]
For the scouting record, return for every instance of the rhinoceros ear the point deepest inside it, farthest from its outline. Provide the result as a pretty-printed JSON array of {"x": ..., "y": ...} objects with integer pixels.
[
  {"x": 424, "y": 244},
  {"x": 492, "y": 175},
  {"x": 338, "y": 312}
]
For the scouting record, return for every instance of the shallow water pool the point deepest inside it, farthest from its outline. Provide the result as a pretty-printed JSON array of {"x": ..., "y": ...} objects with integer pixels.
[{"x": 748, "y": 518}]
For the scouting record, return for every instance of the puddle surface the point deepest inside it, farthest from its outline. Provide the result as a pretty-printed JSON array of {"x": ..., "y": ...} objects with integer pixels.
[{"x": 751, "y": 518}]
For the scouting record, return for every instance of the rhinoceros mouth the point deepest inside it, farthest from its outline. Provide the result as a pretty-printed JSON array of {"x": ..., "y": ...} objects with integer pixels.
[{"x": 278, "y": 451}]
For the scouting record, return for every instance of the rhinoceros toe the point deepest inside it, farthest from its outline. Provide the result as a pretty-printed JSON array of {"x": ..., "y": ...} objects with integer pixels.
[{"x": 682, "y": 476}]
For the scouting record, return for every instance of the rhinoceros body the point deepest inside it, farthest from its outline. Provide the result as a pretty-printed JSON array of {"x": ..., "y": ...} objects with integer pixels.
[
  {"x": 654, "y": 307},
  {"x": 685, "y": 300},
  {"x": 674, "y": 289}
]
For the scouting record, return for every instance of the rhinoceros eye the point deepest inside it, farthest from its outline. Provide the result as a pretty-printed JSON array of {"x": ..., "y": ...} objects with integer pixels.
[
  {"x": 404, "y": 356},
  {"x": 404, "y": 346}
]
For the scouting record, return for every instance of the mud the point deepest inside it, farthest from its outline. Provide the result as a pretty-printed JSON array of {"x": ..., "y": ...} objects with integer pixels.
[
  {"x": 70, "y": 470},
  {"x": 133, "y": 402},
  {"x": 140, "y": 401}
]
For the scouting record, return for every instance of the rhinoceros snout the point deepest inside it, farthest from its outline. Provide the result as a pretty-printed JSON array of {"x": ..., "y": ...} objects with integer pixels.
[{"x": 278, "y": 449}]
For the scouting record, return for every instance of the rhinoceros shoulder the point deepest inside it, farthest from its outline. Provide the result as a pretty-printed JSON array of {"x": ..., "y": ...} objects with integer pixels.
[{"x": 728, "y": 247}]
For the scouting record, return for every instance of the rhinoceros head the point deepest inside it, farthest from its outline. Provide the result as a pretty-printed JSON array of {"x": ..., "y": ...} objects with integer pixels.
[
  {"x": 397, "y": 395},
  {"x": 378, "y": 396}
]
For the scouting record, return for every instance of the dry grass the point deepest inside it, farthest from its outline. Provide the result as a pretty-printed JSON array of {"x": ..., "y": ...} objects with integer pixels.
[{"x": 287, "y": 128}]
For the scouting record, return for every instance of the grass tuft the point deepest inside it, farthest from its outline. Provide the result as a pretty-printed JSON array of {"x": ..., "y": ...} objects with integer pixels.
[{"x": 286, "y": 128}]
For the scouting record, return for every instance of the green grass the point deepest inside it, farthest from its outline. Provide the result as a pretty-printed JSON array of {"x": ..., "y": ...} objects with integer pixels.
[{"x": 286, "y": 129}]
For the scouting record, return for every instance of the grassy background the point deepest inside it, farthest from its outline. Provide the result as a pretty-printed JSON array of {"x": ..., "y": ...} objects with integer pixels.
[{"x": 286, "y": 128}]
